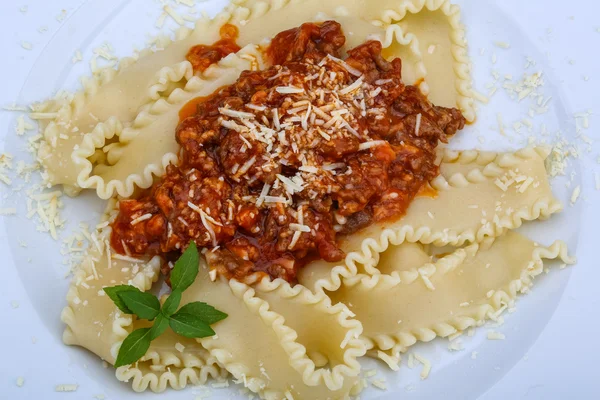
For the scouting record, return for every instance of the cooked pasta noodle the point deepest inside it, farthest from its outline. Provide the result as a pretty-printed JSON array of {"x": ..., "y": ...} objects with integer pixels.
[{"x": 300, "y": 340}]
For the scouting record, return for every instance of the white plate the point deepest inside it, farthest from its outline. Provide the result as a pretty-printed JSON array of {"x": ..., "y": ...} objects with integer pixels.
[{"x": 123, "y": 25}]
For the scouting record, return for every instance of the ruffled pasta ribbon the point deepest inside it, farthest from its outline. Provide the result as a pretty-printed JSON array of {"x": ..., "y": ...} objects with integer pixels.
[
  {"x": 99, "y": 137},
  {"x": 487, "y": 264}
]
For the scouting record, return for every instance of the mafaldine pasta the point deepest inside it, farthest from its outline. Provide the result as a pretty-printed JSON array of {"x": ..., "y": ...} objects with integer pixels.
[{"x": 301, "y": 145}]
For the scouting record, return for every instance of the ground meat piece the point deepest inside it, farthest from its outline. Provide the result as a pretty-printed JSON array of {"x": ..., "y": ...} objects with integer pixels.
[
  {"x": 251, "y": 165},
  {"x": 367, "y": 58},
  {"x": 203, "y": 56},
  {"x": 227, "y": 263},
  {"x": 368, "y": 179},
  {"x": 309, "y": 42},
  {"x": 337, "y": 148},
  {"x": 248, "y": 218}
]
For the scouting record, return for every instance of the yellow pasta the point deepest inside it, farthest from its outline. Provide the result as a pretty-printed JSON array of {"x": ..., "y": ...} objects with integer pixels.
[
  {"x": 480, "y": 209},
  {"x": 301, "y": 340},
  {"x": 441, "y": 298}
]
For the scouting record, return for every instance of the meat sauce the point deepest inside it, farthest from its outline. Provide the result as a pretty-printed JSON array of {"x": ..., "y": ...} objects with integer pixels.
[
  {"x": 203, "y": 56},
  {"x": 275, "y": 167}
]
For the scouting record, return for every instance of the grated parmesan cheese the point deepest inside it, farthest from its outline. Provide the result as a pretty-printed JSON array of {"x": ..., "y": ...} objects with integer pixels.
[
  {"x": 299, "y": 227},
  {"x": 455, "y": 346},
  {"x": 206, "y": 221},
  {"x": 493, "y": 335},
  {"x": 309, "y": 169},
  {"x": 372, "y": 372},
  {"x": 212, "y": 275},
  {"x": 187, "y": 3},
  {"x": 275, "y": 199},
  {"x": 500, "y": 124},
  {"x": 263, "y": 193},
  {"x": 290, "y": 186},
  {"x": 43, "y": 115},
  {"x": 116, "y": 256},
  {"x": 66, "y": 388},
  {"x": 575, "y": 194},
  {"x": 140, "y": 219},
  {"x": 61, "y": 17},
  {"x": 288, "y": 395},
  {"x": 173, "y": 14},
  {"x": 289, "y": 90},
  {"x": 14, "y": 107},
  {"x": 352, "y": 87},
  {"x": 344, "y": 64},
  {"x": 371, "y": 143},
  {"x": 425, "y": 277},
  {"x": 246, "y": 167},
  {"x": 525, "y": 185},
  {"x": 236, "y": 114},
  {"x": 391, "y": 361},
  {"x": 379, "y": 384},
  {"x": 418, "y": 125},
  {"x": 426, "y": 366},
  {"x": 22, "y": 126},
  {"x": 160, "y": 21},
  {"x": 255, "y": 107}
]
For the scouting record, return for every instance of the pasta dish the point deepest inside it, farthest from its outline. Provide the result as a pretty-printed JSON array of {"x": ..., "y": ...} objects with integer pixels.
[{"x": 282, "y": 172}]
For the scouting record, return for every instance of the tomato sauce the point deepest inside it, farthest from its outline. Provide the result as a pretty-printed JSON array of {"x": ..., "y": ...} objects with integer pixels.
[
  {"x": 277, "y": 167},
  {"x": 203, "y": 56}
]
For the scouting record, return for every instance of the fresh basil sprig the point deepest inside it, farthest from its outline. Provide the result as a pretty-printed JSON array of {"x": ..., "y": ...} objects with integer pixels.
[{"x": 193, "y": 320}]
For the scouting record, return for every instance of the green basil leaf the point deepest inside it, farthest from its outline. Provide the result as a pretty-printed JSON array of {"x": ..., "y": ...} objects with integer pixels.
[
  {"x": 134, "y": 347},
  {"x": 160, "y": 325},
  {"x": 186, "y": 268},
  {"x": 113, "y": 293},
  {"x": 172, "y": 303},
  {"x": 144, "y": 305},
  {"x": 190, "y": 326},
  {"x": 207, "y": 313}
]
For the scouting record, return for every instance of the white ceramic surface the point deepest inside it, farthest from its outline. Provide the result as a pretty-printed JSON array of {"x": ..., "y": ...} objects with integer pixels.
[{"x": 551, "y": 342}]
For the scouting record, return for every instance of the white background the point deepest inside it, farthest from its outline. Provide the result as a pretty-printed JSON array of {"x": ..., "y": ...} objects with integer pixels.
[{"x": 562, "y": 363}]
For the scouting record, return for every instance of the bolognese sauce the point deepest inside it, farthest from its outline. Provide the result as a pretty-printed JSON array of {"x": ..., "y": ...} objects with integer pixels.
[
  {"x": 275, "y": 167},
  {"x": 203, "y": 56}
]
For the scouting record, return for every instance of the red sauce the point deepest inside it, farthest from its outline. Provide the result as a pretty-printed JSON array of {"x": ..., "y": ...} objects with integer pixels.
[
  {"x": 427, "y": 191},
  {"x": 203, "y": 56},
  {"x": 191, "y": 107},
  {"x": 277, "y": 167}
]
